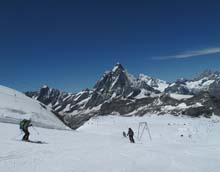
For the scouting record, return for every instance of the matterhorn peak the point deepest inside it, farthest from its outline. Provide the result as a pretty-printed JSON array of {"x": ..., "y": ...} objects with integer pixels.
[
  {"x": 44, "y": 86},
  {"x": 118, "y": 66}
]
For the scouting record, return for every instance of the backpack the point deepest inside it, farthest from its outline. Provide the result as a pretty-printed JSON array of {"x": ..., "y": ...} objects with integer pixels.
[{"x": 23, "y": 124}]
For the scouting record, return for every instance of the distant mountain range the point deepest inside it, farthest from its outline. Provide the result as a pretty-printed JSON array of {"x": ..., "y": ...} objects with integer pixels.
[{"x": 120, "y": 93}]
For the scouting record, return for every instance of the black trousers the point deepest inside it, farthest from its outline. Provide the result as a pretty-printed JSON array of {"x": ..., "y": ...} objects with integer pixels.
[
  {"x": 26, "y": 134},
  {"x": 131, "y": 139}
]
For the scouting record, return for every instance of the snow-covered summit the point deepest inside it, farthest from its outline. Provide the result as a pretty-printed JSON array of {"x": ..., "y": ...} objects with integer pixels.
[
  {"x": 118, "y": 66},
  {"x": 120, "y": 82},
  {"x": 45, "y": 86},
  {"x": 157, "y": 84},
  {"x": 207, "y": 81}
]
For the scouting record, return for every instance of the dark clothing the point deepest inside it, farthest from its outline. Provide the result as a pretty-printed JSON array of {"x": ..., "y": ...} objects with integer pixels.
[
  {"x": 24, "y": 124},
  {"x": 131, "y": 139},
  {"x": 24, "y": 127},
  {"x": 130, "y": 132},
  {"x": 26, "y": 134},
  {"x": 131, "y": 135}
]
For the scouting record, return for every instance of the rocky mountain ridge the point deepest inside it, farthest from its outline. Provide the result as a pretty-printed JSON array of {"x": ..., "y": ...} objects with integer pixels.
[{"x": 119, "y": 92}]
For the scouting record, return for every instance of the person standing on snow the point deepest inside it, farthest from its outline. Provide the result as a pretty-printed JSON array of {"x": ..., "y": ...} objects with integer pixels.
[
  {"x": 131, "y": 135},
  {"x": 24, "y": 124}
]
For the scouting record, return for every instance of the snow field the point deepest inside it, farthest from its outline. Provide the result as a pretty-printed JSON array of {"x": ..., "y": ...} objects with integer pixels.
[{"x": 100, "y": 147}]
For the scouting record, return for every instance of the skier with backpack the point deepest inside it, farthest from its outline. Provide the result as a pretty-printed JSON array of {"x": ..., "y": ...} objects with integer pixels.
[
  {"x": 24, "y": 124},
  {"x": 131, "y": 135}
]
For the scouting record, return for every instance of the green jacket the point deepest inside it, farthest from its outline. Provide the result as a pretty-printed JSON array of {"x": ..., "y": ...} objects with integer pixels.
[{"x": 24, "y": 124}]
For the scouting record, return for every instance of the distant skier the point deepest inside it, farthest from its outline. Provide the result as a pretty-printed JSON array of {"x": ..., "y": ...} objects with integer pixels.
[
  {"x": 131, "y": 135},
  {"x": 24, "y": 124}
]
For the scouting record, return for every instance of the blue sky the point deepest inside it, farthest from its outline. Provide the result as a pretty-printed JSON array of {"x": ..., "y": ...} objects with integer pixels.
[{"x": 70, "y": 44}]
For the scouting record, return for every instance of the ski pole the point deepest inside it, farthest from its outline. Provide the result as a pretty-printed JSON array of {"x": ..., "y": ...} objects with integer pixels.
[
  {"x": 35, "y": 130},
  {"x": 17, "y": 135},
  {"x": 149, "y": 132}
]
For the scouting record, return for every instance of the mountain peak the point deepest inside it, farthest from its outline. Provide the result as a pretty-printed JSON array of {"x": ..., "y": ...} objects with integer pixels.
[
  {"x": 45, "y": 86},
  {"x": 118, "y": 66},
  {"x": 144, "y": 77},
  {"x": 206, "y": 73}
]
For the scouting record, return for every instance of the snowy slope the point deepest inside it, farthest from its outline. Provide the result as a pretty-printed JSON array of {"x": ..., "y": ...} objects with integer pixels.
[
  {"x": 180, "y": 96},
  {"x": 157, "y": 84},
  {"x": 15, "y": 106},
  {"x": 206, "y": 81},
  {"x": 99, "y": 146},
  {"x": 202, "y": 84}
]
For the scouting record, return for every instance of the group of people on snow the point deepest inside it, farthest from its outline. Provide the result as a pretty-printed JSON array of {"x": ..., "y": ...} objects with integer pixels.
[{"x": 26, "y": 123}]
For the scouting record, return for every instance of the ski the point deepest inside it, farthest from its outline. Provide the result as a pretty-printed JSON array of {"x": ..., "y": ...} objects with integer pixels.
[
  {"x": 32, "y": 141},
  {"x": 37, "y": 142}
]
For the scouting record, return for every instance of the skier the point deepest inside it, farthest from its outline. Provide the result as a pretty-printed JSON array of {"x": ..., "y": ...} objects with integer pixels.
[
  {"x": 24, "y": 124},
  {"x": 131, "y": 135}
]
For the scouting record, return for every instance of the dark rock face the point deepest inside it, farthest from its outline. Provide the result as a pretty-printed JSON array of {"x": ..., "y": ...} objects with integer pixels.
[
  {"x": 167, "y": 100},
  {"x": 95, "y": 100},
  {"x": 121, "y": 83},
  {"x": 198, "y": 111},
  {"x": 47, "y": 95},
  {"x": 75, "y": 122},
  {"x": 214, "y": 88},
  {"x": 117, "y": 75},
  {"x": 118, "y": 92}
]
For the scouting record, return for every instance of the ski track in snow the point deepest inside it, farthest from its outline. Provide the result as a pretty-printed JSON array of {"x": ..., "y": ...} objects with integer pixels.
[{"x": 99, "y": 146}]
